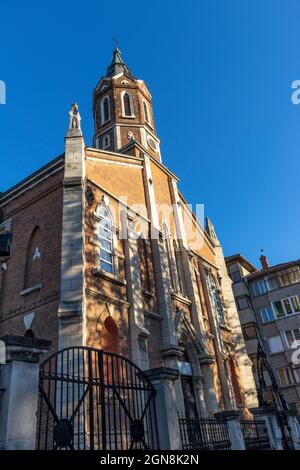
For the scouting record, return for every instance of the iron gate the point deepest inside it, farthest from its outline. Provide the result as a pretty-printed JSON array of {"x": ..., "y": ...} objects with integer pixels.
[{"x": 91, "y": 399}]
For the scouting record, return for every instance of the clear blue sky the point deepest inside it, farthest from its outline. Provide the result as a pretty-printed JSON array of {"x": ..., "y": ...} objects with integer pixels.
[{"x": 220, "y": 73}]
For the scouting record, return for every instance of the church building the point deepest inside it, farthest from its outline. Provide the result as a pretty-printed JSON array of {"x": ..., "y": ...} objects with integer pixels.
[{"x": 100, "y": 248}]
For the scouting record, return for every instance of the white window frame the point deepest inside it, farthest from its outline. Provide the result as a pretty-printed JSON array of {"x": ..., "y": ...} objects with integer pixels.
[
  {"x": 132, "y": 115},
  {"x": 102, "y": 110},
  {"x": 294, "y": 338},
  {"x": 110, "y": 240},
  {"x": 261, "y": 290},
  {"x": 283, "y": 306},
  {"x": 266, "y": 310}
]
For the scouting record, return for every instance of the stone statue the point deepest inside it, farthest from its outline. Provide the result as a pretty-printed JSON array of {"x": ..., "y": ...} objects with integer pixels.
[{"x": 74, "y": 117}]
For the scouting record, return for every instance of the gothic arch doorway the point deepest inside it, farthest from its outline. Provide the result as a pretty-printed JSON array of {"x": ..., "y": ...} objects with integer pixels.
[
  {"x": 187, "y": 383},
  {"x": 192, "y": 378}
]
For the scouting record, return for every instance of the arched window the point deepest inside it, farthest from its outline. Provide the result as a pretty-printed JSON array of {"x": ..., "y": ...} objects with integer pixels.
[
  {"x": 127, "y": 104},
  {"x": 216, "y": 298},
  {"x": 105, "y": 114},
  {"x": 105, "y": 236},
  {"x": 33, "y": 270},
  {"x": 172, "y": 259},
  {"x": 146, "y": 113},
  {"x": 106, "y": 142}
]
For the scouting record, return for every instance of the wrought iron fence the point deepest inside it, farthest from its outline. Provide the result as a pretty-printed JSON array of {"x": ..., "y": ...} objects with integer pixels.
[
  {"x": 255, "y": 434},
  {"x": 91, "y": 399},
  {"x": 204, "y": 433}
]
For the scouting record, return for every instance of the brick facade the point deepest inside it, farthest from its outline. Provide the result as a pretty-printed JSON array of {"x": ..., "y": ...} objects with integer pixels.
[{"x": 152, "y": 302}]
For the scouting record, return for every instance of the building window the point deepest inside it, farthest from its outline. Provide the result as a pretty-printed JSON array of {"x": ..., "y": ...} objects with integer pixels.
[
  {"x": 288, "y": 306},
  {"x": 267, "y": 314},
  {"x": 243, "y": 302},
  {"x": 275, "y": 344},
  {"x": 249, "y": 332},
  {"x": 234, "y": 273},
  {"x": 283, "y": 278},
  {"x": 127, "y": 105},
  {"x": 292, "y": 336},
  {"x": 106, "y": 142},
  {"x": 105, "y": 114},
  {"x": 259, "y": 287},
  {"x": 216, "y": 298},
  {"x": 286, "y": 376},
  {"x": 105, "y": 237},
  {"x": 144, "y": 264},
  {"x": 146, "y": 112}
]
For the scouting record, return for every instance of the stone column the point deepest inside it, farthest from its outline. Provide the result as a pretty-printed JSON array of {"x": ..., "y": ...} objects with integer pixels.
[
  {"x": 163, "y": 379},
  {"x": 211, "y": 402},
  {"x": 199, "y": 393},
  {"x": 19, "y": 382},
  {"x": 72, "y": 289},
  {"x": 273, "y": 429},
  {"x": 232, "y": 418}
]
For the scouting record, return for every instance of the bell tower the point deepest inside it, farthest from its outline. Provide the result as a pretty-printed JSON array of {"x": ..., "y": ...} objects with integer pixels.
[{"x": 122, "y": 107}]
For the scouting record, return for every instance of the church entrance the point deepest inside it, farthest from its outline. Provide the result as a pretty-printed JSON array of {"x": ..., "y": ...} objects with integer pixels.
[
  {"x": 92, "y": 399},
  {"x": 189, "y": 397},
  {"x": 190, "y": 406}
]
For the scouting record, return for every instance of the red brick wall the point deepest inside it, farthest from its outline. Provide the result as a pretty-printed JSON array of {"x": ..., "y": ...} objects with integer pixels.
[{"x": 40, "y": 207}]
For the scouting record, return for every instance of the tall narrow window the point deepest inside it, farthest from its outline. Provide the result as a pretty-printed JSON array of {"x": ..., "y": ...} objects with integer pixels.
[
  {"x": 146, "y": 113},
  {"x": 216, "y": 298},
  {"x": 105, "y": 110},
  {"x": 144, "y": 264},
  {"x": 105, "y": 236},
  {"x": 127, "y": 104}
]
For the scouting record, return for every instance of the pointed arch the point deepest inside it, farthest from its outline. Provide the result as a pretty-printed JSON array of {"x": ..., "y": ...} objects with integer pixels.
[
  {"x": 144, "y": 263},
  {"x": 105, "y": 110},
  {"x": 33, "y": 267},
  {"x": 127, "y": 104},
  {"x": 215, "y": 296},
  {"x": 146, "y": 112},
  {"x": 106, "y": 238}
]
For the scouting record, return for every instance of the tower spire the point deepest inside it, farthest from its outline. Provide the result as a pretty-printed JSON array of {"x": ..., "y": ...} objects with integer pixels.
[{"x": 117, "y": 64}]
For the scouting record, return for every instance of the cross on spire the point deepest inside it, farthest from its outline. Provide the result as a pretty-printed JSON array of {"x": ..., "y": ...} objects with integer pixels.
[{"x": 117, "y": 42}]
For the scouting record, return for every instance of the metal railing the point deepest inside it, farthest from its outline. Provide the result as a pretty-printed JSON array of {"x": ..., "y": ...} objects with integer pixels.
[
  {"x": 204, "y": 433},
  {"x": 255, "y": 434}
]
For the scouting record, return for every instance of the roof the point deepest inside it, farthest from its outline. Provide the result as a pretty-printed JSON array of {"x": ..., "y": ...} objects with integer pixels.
[
  {"x": 243, "y": 261},
  {"x": 117, "y": 65},
  {"x": 51, "y": 167},
  {"x": 273, "y": 269}
]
